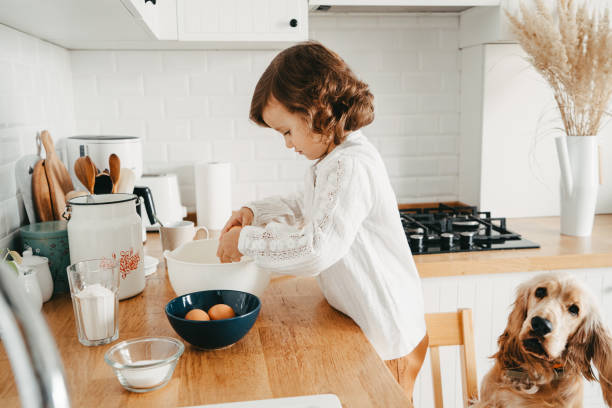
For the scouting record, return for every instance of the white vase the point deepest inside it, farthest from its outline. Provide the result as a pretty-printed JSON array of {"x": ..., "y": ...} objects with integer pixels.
[{"x": 578, "y": 160}]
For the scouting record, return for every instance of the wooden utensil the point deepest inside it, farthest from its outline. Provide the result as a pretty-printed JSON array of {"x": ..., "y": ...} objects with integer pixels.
[
  {"x": 115, "y": 170},
  {"x": 126, "y": 181},
  {"x": 85, "y": 172},
  {"x": 93, "y": 172},
  {"x": 57, "y": 176},
  {"x": 41, "y": 194}
]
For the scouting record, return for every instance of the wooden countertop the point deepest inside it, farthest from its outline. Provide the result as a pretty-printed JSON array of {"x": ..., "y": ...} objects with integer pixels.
[
  {"x": 298, "y": 346},
  {"x": 556, "y": 251}
]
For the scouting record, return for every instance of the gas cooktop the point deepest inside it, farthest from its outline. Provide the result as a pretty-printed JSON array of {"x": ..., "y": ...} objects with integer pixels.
[{"x": 444, "y": 228}]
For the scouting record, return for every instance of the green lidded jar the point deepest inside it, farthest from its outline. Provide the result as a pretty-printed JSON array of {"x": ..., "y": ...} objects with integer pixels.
[{"x": 50, "y": 239}]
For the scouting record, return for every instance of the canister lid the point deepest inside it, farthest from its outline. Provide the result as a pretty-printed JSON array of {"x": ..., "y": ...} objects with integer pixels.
[
  {"x": 47, "y": 229},
  {"x": 93, "y": 139},
  {"x": 29, "y": 259}
]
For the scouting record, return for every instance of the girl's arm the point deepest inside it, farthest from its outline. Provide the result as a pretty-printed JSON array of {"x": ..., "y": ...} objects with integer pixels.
[
  {"x": 343, "y": 199},
  {"x": 287, "y": 209}
]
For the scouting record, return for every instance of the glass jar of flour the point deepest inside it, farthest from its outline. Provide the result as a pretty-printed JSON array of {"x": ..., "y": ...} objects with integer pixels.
[{"x": 107, "y": 226}]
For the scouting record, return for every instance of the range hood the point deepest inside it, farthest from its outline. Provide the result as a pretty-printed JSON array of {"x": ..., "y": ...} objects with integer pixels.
[{"x": 396, "y": 6}]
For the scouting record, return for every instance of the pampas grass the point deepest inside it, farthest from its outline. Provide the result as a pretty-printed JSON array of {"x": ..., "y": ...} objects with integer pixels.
[{"x": 572, "y": 50}]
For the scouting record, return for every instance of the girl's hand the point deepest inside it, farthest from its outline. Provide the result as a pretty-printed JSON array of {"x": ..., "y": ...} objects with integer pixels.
[
  {"x": 239, "y": 218},
  {"x": 228, "y": 246}
]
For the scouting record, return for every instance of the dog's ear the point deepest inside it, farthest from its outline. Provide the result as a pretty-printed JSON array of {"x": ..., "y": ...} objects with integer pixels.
[
  {"x": 592, "y": 343},
  {"x": 580, "y": 348},
  {"x": 601, "y": 351},
  {"x": 510, "y": 353}
]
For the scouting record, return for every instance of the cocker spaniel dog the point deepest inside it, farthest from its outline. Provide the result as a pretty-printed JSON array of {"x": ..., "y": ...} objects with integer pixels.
[{"x": 553, "y": 335}]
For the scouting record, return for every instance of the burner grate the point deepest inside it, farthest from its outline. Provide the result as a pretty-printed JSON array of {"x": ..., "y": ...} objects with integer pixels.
[{"x": 445, "y": 228}]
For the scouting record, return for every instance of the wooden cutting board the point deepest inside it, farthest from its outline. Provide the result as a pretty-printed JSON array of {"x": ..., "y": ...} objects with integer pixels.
[
  {"x": 40, "y": 193},
  {"x": 57, "y": 175}
]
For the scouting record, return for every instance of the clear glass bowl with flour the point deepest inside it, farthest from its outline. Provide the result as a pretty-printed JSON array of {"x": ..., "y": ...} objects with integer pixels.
[{"x": 146, "y": 363}]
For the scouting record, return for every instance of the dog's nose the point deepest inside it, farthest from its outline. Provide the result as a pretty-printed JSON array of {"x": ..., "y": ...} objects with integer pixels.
[{"x": 541, "y": 326}]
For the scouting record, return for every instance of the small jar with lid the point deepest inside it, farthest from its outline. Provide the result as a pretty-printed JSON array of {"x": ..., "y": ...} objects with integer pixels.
[
  {"x": 50, "y": 240},
  {"x": 40, "y": 265}
]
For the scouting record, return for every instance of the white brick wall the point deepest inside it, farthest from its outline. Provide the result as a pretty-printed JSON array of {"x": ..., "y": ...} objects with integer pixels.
[
  {"x": 35, "y": 94},
  {"x": 193, "y": 105}
]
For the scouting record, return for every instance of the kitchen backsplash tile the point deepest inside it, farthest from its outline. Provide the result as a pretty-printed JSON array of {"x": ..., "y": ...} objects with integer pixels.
[
  {"x": 183, "y": 62},
  {"x": 120, "y": 85},
  {"x": 167, "y": 129},
  {"x": 231, "y": 151},
  {"x": 91, "y": 62},
  {"x": 138, "y": 62},
  {"x": 212, "y": 129},
  {"x": 35, "y": 93},
  {"x": 211, "y": 83}
]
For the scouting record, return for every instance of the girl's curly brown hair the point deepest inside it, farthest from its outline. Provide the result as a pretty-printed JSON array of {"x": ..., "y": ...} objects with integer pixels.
[{"x": 310, "y": 79}]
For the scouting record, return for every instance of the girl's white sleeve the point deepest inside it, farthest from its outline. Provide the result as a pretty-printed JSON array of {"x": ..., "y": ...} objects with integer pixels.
[
  {"x": 342, "y": 200},
  {"x": 287, "y": 209}
]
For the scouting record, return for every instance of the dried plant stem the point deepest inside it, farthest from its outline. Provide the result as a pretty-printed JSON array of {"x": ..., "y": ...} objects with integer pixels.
[{"x": 572, "y": 49}]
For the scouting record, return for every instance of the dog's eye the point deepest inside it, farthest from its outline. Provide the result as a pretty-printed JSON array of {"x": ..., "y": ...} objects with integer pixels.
[
  {"x": 573, "y": 309},
  {"x": 540, "y": 293}
]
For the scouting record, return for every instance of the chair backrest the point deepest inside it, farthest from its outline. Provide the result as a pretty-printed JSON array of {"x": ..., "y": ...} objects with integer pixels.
[{"x": 453, "y": 329}]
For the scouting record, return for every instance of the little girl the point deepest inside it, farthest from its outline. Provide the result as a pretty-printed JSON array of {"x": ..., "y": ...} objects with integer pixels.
[{"x": 343, "y": 227}]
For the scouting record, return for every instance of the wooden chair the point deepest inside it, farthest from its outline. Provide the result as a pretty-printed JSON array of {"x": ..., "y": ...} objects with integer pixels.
[{"x": 450, "y": 329}]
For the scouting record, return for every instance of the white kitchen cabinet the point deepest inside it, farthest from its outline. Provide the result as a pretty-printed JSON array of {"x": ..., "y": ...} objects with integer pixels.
[
  {"x": 490, "y": 297},
  {"x": 245, "y": 21},
  {"x": 484, "y": 25},
  {"x": 159, "y": 18},
  {"x": 487, "y": 25}
]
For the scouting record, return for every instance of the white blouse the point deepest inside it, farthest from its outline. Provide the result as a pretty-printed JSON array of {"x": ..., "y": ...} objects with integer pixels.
[{"x": 344, "y": 228}]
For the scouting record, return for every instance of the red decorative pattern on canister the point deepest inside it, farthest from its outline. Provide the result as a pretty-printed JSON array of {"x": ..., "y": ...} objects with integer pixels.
[{"x": 129, "y": 262}]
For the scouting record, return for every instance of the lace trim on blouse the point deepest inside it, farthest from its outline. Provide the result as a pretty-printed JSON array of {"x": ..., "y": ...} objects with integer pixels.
[{"x": 279, "y": 243}]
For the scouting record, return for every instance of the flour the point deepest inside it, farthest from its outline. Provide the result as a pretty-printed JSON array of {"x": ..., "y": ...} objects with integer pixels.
[
  {"x": 146, "y": 377},
  {"x": 96, "y": 306}
]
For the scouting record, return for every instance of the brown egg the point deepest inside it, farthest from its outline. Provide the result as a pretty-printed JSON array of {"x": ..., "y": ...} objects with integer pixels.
[
  {"x": 197, "y": 314},
  {"x": 221, "y": 311}
]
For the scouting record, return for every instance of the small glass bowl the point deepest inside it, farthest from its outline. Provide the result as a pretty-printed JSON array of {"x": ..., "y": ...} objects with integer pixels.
[{"x": 145, "y": 363}]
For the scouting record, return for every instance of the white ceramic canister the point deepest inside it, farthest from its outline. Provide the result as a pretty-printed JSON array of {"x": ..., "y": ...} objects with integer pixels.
[
  {"x": 106, "y": 226},
  {"x": 40, "y": 264},
  {"x": 27, "y": 277}
]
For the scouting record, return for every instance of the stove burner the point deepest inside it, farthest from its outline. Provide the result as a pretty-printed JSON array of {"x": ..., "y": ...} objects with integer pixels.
[
  {"x": 466, "y": 239},
  {"x": 416, "y": 242},
  {"x": 464, "y": 224},
  {"x": 446, "y": 241},
  {"x": 451, "y": 228}
]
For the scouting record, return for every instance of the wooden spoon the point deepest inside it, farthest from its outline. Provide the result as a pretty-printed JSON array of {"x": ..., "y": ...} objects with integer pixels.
[
  {"x": 91, "y": 174},
  {"x": 115, "y": 170},
  {"x": 84, "y": 172}
]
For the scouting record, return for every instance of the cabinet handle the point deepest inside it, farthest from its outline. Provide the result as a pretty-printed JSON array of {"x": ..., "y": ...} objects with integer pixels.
[
  {"x": 152, "y": 1},
  {"x": 293, "y": 22}
]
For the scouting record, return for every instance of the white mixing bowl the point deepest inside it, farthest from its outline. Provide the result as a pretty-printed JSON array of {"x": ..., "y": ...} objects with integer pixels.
[{"x": 194, "y": 266}]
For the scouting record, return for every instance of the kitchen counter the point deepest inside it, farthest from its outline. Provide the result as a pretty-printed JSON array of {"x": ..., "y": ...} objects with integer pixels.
[
  {"x": 556, "y": 251},
  {"x": 298, "y": 346}
]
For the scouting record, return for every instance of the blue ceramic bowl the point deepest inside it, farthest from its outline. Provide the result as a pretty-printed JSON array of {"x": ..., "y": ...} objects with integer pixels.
[{"x": 213, "y": 334}]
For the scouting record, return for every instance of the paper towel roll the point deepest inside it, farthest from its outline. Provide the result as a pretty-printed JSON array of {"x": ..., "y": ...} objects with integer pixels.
[{"x": 213, "y": 182}]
